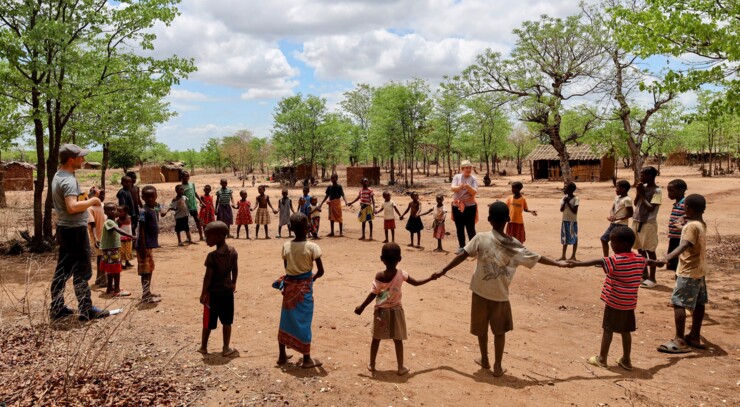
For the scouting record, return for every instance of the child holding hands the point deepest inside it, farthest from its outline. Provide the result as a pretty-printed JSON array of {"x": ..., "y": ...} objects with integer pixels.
[
  {"x": 243, "y": 214},
  {"x": 389, "y": 218},
  {"x": 389, "y": 320},
  {"x": 414, "y": 225},
  {"x": 517, "y": 206}
]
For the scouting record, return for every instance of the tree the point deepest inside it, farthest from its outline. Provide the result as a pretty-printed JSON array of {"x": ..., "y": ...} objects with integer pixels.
[
  {"x": 385, "y": 133},
  {"x": 715, "y": 123},
  {"x": 488, "y": 121},
  {"x": 446, "y": 121},
  {"x": 554, "y": 60},
  {"x": 130, "y": 148},
  {"x": 237, "y": 149},
  {"x": 60, "y": 54},
  {"x": 357, "y": 104},
  {"x": 522, "y": 141},
  {"x": 212, "y": 156}
]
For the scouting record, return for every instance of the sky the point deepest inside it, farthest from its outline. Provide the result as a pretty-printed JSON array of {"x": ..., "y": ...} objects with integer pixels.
[{"x": 250, "y": 54}]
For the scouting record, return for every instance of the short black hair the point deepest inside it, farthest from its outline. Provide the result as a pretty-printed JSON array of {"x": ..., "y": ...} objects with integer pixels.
[
  {"x": 623, "y": 183},
  {"x": 650, "y": 170},
  {"x": 179, "y": 186},
  {"x": 110, "y": 204},
  {"x": 126, "y": 177},
  {"x": 298, "y": 221},
  {"x": 216, "y": 227},
  {"x": 571, "y": 185},
  {"x": 679, "y": 184},
  {"x": 125, "y": 208},
  {"x": 148, "y": 189},
  {"x": 498, "y": 212},
  {"x": 131, "y": 174},
  {"x": 696, "y": 202},
  {"x": 517, "y": 184},
  {"x": 623, "y": 234},
  {"x": 391, "y": 252}
]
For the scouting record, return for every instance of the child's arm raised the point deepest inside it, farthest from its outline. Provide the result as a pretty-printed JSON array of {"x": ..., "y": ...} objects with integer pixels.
[
  {"x": 682, "y": 247},
  {"x": 319, "y": 269},
  {"x": 454, "y": 263},
  {"x": 368, "y": 300},
  {"x": 427, "y": 212}
]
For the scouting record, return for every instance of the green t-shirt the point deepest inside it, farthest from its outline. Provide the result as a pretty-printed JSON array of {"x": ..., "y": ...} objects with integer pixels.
[
  {"x": 189, "y": 191},
  {"x": 111, "y": 239}
]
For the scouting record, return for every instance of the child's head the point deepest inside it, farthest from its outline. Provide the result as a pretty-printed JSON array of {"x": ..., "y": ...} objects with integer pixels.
[
  {"x": 101, "y": 195},
  {"x": 648, "y": 174},
  {"x": 126, "y": 182},
  {"x": 440, "y": 199},
  {"x": 185, "y": 176},
  {"x": 677, "y": 188},
  {"x": 623, "y": 187},
  {"x": 306, "y": 190},
  {"x": 334, "y": 178},
  {"x": 516, "y": 187},
  {"x": 216, "y": 233},
  {"x": 390, "y": 255},
  {"x": 622, "y": 239},
  {"x": 123, "y": 211},
  {"x": 569, "y": 188},
  {"x": 365, "y": 182},
  {"x": 179, "y": 190},
  {"x": 111, "y": 210},
  {"x": 132, "y": 175},
  {"x": 299, "y": 224},
  {"x": 414, "y": 196},
  {"x": 149, "y": 195},
  {"x": 93, "y": 192},
  {"x": 224, "y": 183},
  {"x": 285, "y": 192},
  {"x": 261, "y": 189},
  {"x": 207, "y": 189},
  {"x": 695, "y": 205},
  {"x": 386, "y": 196},
  {"x": 498, "y": 214},
  {"x": 243, "y": 194},
  {"x": 314, "y": 200}
]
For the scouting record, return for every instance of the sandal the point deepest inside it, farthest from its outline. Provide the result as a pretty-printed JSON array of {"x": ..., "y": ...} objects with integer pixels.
[
  {"x": 648, "y": 284},
  {"x": 624, "y": 366},
  {"x": 594, "y": 360},
  {"x": 122, "y": 293},
  {"x": 674, "y": 346},
  {"x": 694, "y": 344}
]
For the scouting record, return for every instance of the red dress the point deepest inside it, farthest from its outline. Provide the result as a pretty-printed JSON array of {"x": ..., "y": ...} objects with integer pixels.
[
  {"x": 244, "y": 215},
  {"x": 207, "y": 212}
]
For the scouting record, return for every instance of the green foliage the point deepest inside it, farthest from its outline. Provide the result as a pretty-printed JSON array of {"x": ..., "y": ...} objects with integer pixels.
[
  {"x": 357, "y": 104},
  {"x": 211, "y": 153},
  {"x": 488, "y": 122}
]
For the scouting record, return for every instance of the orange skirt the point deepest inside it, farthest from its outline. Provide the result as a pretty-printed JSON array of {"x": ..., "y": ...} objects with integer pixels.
[{"x": 516, "y": 230}]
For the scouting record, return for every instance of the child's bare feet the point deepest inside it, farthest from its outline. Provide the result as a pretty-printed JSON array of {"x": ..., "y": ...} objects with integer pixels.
[
  {"x": 438, "y": 250},
  {"x": 371, "y": 367},
  {"x": 498, "y": 371},
  {"x": 228, "y": 352},
  {"x": 311, "y": 363},
  {"x": 482, "y": 363},
  {"x": 561, "y": 259},
  {"x": 361, "y": 238},
  {"x": 402, "y": 370},
  {"x": 202, "y": 350},
  {"x": 150, "y": 299},
  {"x": 282, "y": 361},
  {"x": 385, "y": 241},
  {"x": 410, "y": 245}
]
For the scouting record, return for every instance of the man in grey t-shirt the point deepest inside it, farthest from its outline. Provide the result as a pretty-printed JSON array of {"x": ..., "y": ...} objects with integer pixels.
[{"x": 74, "y": 244}]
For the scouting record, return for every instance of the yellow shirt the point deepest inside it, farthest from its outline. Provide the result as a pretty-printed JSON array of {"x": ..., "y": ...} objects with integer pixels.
[
  {"x": 300, "y": 256},
  {"x": 692, "y": 262},
  {"x": 516, "y": 209}
]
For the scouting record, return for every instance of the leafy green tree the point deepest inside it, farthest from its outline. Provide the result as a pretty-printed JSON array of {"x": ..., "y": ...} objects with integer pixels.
[
  {"x": 237, "y": 150},
  {"x": 385, "y": 132},
  {"x": 446, "y": 121},
  {"x": 357, "y": 104},
  {"x": 212, "y": 156},
  {"x": 522, "y": 142},
  {"x": 487, "y": 119}
]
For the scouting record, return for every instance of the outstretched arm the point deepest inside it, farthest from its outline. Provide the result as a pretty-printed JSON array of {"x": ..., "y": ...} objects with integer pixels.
[
  {"x": 454, "y": 263},
  {"x": 423, "y": 281},
  {"x": 368, "y": 300},
  {"x": 427, "y": 212},
  {"x": 682, "y": 247},
  {"x": 123, "y": 233},
  {"x": 550, "y": 262},
  {"x": 586, "y": 263}
]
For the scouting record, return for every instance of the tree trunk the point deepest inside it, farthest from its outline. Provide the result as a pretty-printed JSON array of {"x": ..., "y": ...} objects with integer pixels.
[
  {"x": 449, "y": 165},
  {"x": 488, "y": 167},
  {"x": 565, "y": 170},
  {"x": 38, "y": 191},
  {"x": 106, "y": 159},
  {"x": 3, "y": 200},
  {"x": 393, "y": 172}
]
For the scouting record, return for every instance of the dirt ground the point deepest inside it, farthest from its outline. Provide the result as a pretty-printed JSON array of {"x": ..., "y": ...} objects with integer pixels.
[{"x": 557, "y": 315}]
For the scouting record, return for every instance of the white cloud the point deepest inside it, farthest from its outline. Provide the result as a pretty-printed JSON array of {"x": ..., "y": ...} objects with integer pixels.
[
  {"x": 179, "y": 137},
  {"x": 187, "y": 95}
]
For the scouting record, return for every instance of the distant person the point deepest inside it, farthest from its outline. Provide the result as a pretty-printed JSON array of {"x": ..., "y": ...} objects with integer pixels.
[
  {"x": 517, "y": 204},
  {"x": 193, "y": 201},
  {"x": 305, "y": 205},
  {"x": 179, "y": 204},
  {"x": 219, "y": 285},
  {"x": 619, "y": 215},
  {"x": 389, "y": 218},
  {"x": 438, "y": 226},
  {"x": 125, "y": 196},
  {"x": 138, "y": 203},
  {"x": 285, "y": 209},
  {"x": 207, "y": 211},
  {"x": 367, "y": 207},
  {"x": 146, "y": 241},
  {"x": 623, "y": 275},
  {"x": 389, "y": 320},
  {"x": 569, "y": 227},
  {"x": 224, "y": 203},
  {"x": 127, "y": 245},
  {"x": 71, "y": 230},
  {"x": 464, "y": 205},
  {"x": 677, "y": 192},
  {"x": 414, "y": 225},
  {"x": 335, "y": 195},
  {"x": 110, "y": 245},
  {"x": 315, "y": 220},
  {"x": 644, "y": 221},
  {"x": 243, "y": 214},
  {"x": 262, "y": 217},
  {"x": 498, "y": 256}
]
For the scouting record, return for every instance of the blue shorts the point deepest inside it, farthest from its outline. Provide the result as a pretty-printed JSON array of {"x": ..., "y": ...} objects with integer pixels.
[
  {"x": 612, "y": 226},
  {"x": 569, "y": 233},
  {"x": 689, "y": 292}
]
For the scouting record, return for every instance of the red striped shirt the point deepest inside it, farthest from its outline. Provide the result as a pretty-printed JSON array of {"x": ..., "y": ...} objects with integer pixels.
[
  {"x": 679, "y": 210},
  {"x": 623, "y": 276},
  {"x": 365, "y": 196}
]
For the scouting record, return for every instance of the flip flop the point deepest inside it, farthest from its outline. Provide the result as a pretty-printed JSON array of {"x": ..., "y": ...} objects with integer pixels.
[
  {"x": 594, "y": 360},
  {"x": 673, "y": 347},
  {"x": 648, "y": 284},
  {"x": 122, "y": 293},
  {"x": 624, "y": 366},
  {"x": 229, "y": 353},
  {"x": 693, "y": 344},
  {"x": 314, "y": 363}
]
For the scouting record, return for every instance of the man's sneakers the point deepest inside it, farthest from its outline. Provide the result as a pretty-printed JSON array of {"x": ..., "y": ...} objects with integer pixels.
[
  {"x": 63, "y": 312},
  {"x": 93, "y": 313}
]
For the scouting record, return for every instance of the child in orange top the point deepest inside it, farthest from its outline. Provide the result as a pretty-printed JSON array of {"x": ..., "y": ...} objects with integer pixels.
[{"x": 517, "y": 206}]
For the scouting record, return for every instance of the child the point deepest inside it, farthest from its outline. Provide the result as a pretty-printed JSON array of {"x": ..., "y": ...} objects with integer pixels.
[
  {"x": 110, "y": 244},
  {"x": 438, "y": 226},
  {"x": 147, "y": 240},
  {"x": 569, "y": 228},
  {"x": 315, "y": 217},
  {"x": 389, "y": 321},
  {"x": 498, "y": 257},
  {"x": 95, "y": 220},
  {"x": 207, "y": 212},
  {"x": 644, "y": 221},
  {"x": 124, "y": 222},
  {"x": 224, "y": 202},
  {"x": 367, "y": 207},
  {"x": 389, "y": 218},
  {"x": 620, "y": 213},
  {"x": 243, "y": 214},
  {"x": 219, "y": 285},
  {"x": 126, "y": 197},
  {"x": 414, "y": 225},
  {"x": 335, "y": 193},
  {"x": 623, "y": 273},
  {"x": 517, "y": 206},
  {"x": 263, "y": 216},
  {"x": 180, "y": 206},
  {"x": 297, "y": 288},
  {"x": 691, "y": 287},
  {"x": 676, "y": 191},
  {"x": 193, "y": 200},
  {"x": 285, "y": 207},
  {"x": 136, "y": 195},
  {"x": 305, "y": 207},
  {"x": 254, "y": 180}
]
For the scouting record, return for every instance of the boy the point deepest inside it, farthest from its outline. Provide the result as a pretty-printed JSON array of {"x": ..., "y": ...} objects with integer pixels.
[
  {"x": 389, "y": 218},
  {"x": 367, "y": 207},
  {"x": 147, "y": 240},
  {"x": 620, "y": 213},
  {"x": 110, "y": 245},
  {"x": 315, "y": 219},
  {"x": 136, "y": 194},
  {"x": 691, "y": 287},
  {"x": 95, "y": 220},
  {"x": 305, "y": 208},
  {"x": 219, "y": 285},
  {"x": 676, "y": 191},
  {"x": 644, "y": 221},
  {"x": 623, "y": 273},
  {"x": 296, "y": 315},
  {"x": 334, "y": 193},
  {"x": 498, "y": 257},
  {"x": 193, "y": 200},
  {"x": 569, "y": 228},
  {"x": 179, "y": 204},
  {"x": 125, "y": 196},
  {"x": 517, "y": 206}
]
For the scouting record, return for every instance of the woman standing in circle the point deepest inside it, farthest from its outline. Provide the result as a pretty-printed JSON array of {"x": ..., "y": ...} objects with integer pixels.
[{"x": 464, "y": 206}]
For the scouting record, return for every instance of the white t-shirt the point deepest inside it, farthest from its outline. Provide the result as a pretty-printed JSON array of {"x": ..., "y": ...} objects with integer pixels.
[
  {"x": 498, "y": 258},
  {"x": 619, "y": 209},
  {"x": 568, "y": 215},
  {"x": 463, "y": 193},
  {"x": 388, "y": 208}
]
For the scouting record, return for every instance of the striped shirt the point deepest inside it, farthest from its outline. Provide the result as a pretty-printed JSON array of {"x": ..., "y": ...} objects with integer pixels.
[
  {"x": 623, "y": 274},
  {"x": 677, "y": 212},
  {"x": 366, "y": 195},
  {"x": 224, "y": 196}
]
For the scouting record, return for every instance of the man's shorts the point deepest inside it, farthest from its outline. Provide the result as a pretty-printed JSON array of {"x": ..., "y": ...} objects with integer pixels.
[
  {"x": 485, "y": 313},
  {"x": 219, "y": 306},
  {"x": 145, "y": 262},
  {"x": 608, "y": 232},
  {"x": 569, "y": 233},
  {"x": 646, "y": 235},
  {"x": 689, "y": 292}
]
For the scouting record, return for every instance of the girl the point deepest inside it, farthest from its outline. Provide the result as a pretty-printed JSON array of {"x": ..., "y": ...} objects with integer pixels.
[
  {"x": 438, "y": 226},
  {"x": 285, "y": 208},
  {"x": 243, "y": 214},
  {"x": 110, "y": 244},
  {"x": 127, "y": 245},
  {"x": 225, "y": 200},
  {"x": 367, "y": 207},
  {"x": 263, "y": 215},
  {"x": 389, "y": 320},
  {"x": 315, "y": 217},
  {"x": 207, "y": 213},
  {"x": 414, "y": 224},
  {"x": 517, "y": 206}
]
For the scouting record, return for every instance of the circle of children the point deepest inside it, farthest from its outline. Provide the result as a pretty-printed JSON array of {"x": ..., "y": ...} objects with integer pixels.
[{"x": 498, "y": 256}]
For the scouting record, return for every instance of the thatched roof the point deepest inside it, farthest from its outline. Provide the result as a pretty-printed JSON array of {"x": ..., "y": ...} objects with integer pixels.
[
  {"x": 18, "y": 163},
  {"x": 576, "y": 153},
  {"x": 174, "y": 165}
]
